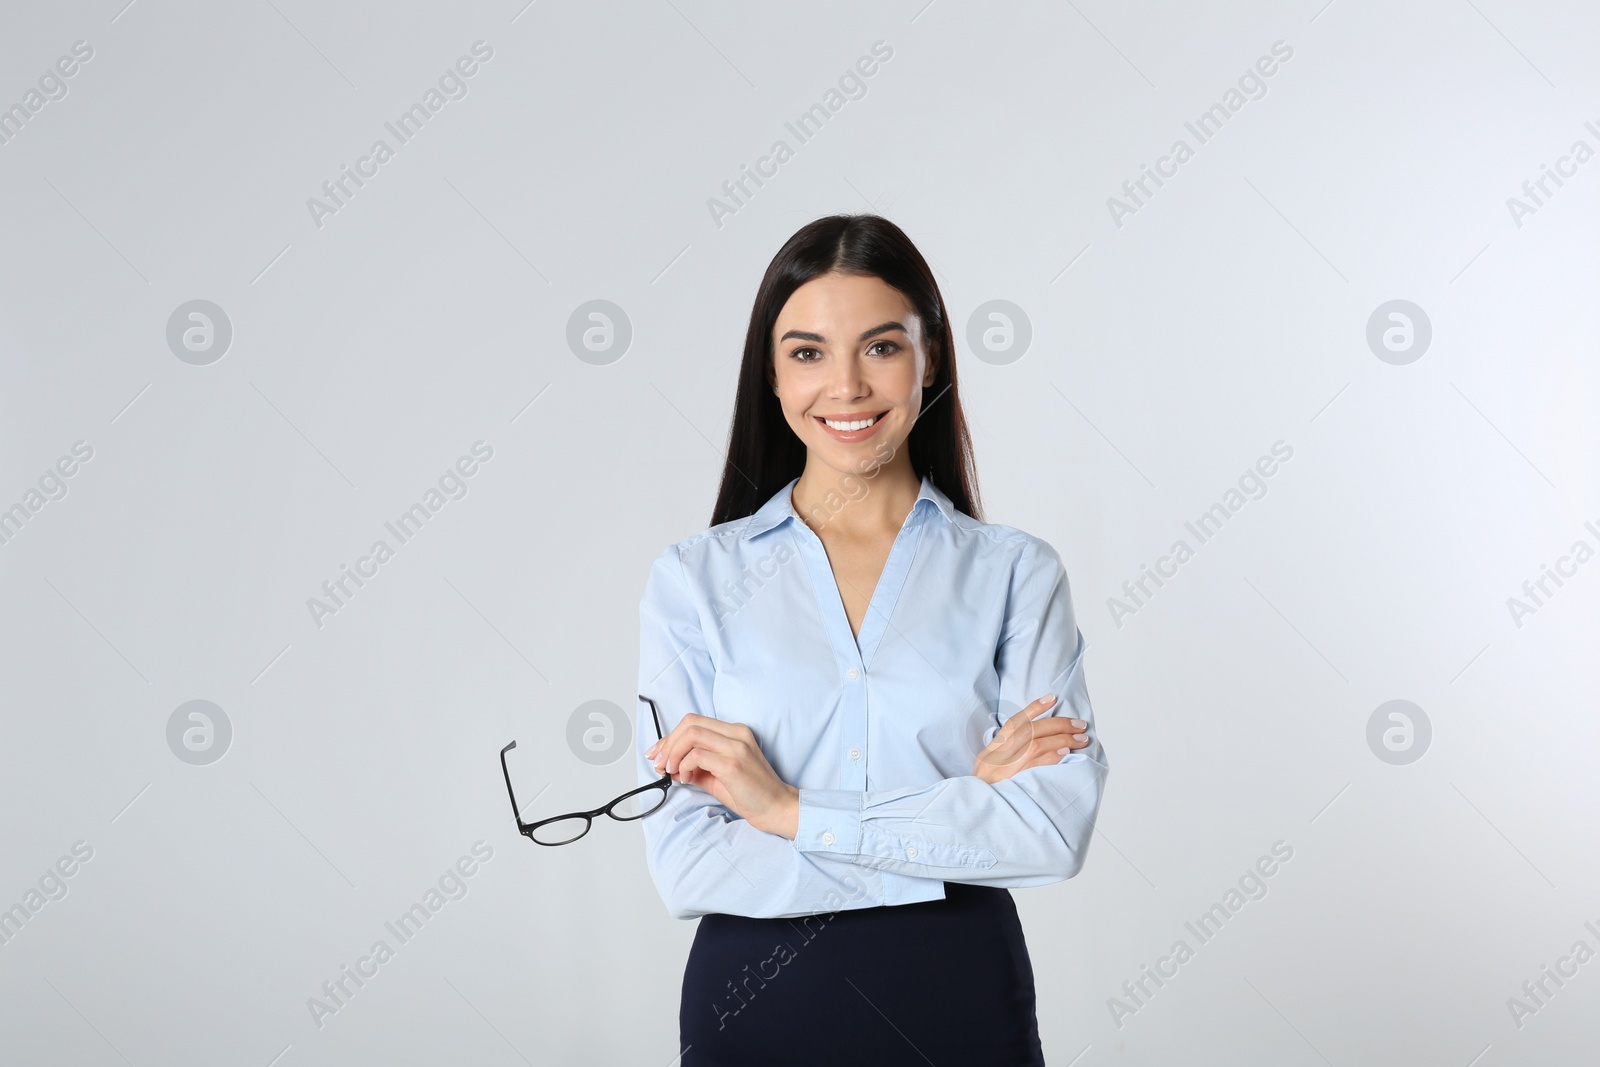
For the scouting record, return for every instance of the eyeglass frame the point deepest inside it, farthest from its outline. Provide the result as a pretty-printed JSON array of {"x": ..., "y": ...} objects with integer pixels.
[{"x": 526, "y": 829}]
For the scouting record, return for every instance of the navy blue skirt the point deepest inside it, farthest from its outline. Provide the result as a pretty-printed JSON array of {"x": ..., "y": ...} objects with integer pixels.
[{"x": 942, "y": 982}]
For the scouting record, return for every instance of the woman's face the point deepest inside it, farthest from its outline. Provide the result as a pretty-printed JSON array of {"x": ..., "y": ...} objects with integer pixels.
[{"x": 849, "y": 348}]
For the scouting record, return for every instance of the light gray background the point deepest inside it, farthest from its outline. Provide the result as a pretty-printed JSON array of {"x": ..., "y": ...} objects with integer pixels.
[{"x": 1167, "y": 354}]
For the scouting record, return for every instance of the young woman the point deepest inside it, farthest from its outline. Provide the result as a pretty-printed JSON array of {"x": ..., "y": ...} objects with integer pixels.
[{"x": 874, "y": 701}]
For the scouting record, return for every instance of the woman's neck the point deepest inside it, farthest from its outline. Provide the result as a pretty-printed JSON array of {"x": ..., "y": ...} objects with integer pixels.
[{"x": 856, "y": 505}]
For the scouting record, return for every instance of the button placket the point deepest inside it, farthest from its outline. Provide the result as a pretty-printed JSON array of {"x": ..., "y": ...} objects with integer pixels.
[
  {"x": 854, "y": 650},
  {"x": 851, "y": 665},
  {"x": 853, "y": 772}
]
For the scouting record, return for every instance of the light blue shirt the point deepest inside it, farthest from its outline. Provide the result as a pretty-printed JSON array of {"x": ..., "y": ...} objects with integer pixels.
[{"x": 968, "y": 623}]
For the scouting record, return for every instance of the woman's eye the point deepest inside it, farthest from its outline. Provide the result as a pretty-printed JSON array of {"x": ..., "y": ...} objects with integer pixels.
[{"x": 882, "y": 349}]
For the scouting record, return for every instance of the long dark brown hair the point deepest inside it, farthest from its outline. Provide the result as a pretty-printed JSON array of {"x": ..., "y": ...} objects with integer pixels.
[{"x": 763, "y": 451}]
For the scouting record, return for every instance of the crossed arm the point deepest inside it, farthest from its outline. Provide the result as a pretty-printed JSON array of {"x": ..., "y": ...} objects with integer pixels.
[
  {"x": 744, "y": 842},
  {"x": 725, "y": 760}
]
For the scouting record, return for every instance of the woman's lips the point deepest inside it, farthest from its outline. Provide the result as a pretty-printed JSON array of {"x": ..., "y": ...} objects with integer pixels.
[{"x": 851, "y": 436}]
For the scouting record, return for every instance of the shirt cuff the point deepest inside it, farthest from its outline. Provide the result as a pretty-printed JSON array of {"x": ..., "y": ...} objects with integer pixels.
[{"x": 830, "y": 821}]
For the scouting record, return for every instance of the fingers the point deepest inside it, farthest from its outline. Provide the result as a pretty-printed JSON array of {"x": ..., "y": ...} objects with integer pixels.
[
  {"x": 1047, "y": 759},
  {"x": 1024, "y": 741},
  {"x": 1024, "y": 719},
  {"x": 704, "y": 761},
  {"x": 1026, "y": 714},
  {"x": 993, "y": 767},
  {"x": 1061, "y": 731},
  {"x": 1063, "y": 735},
  {"x": 672, "y": 745},
  {"x": 1066, "y": 732},
  {"x": 690, "y": 770},
  {"x": 698, "y": 731}
]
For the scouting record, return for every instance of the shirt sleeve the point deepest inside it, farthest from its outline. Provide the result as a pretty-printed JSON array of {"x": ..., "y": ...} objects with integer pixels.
[
  {"x": 702, "y": 857},
  {"x": 1030, "y": 829}
]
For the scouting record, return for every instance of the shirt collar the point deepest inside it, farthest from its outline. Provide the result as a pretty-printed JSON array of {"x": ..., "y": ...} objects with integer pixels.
[{"x": 780, "y": 507}]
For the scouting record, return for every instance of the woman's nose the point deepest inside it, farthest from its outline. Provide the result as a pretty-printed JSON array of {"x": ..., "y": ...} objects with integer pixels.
[{"x": 846, "y": 381}]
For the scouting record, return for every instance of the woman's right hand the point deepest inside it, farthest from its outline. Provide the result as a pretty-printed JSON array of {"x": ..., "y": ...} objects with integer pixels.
[{"x": 1023, "y": 742}]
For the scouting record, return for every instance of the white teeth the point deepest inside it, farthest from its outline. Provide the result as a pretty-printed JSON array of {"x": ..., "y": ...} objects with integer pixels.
[{"x": 860, "y": 424}]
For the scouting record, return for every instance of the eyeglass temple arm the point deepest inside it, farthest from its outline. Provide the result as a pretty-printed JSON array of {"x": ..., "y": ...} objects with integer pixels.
[
  {"x": 654, "y": 714},
  {"x": 515, "y": 808}
]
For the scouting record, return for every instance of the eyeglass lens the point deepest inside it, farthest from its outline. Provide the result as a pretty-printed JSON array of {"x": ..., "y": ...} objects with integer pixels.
[{"x": 640, "y": 804}]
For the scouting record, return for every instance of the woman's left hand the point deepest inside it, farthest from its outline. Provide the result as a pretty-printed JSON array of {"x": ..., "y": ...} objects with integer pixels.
[{"x": 724, "y": 759}]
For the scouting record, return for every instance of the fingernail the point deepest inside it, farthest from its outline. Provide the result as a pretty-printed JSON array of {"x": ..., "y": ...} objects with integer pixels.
[
  {"x": 1063, "y": 751},
  {"x": 1078, "y": 724},
  {"x": 1080, "y": 737},
  {"x": 1048, "y": 698}
]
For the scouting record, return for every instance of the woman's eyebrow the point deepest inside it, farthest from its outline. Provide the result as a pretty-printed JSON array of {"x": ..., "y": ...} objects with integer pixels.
[{"x": 802, "y": 335}]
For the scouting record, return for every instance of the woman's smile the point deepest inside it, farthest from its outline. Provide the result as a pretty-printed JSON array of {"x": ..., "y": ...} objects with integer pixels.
[{"x": 851, "y": 428}]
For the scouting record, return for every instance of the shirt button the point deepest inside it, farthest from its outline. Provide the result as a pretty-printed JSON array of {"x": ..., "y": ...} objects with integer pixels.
[
  {"x": 827, "y": 837},
  {"x": 852, "y": 674},
  {"x": 911, "y": 853},
  {"x": 855, "y": 753}
]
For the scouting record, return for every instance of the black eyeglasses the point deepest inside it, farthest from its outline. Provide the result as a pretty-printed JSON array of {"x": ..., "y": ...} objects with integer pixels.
[{"x": 565, "y": 829}]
